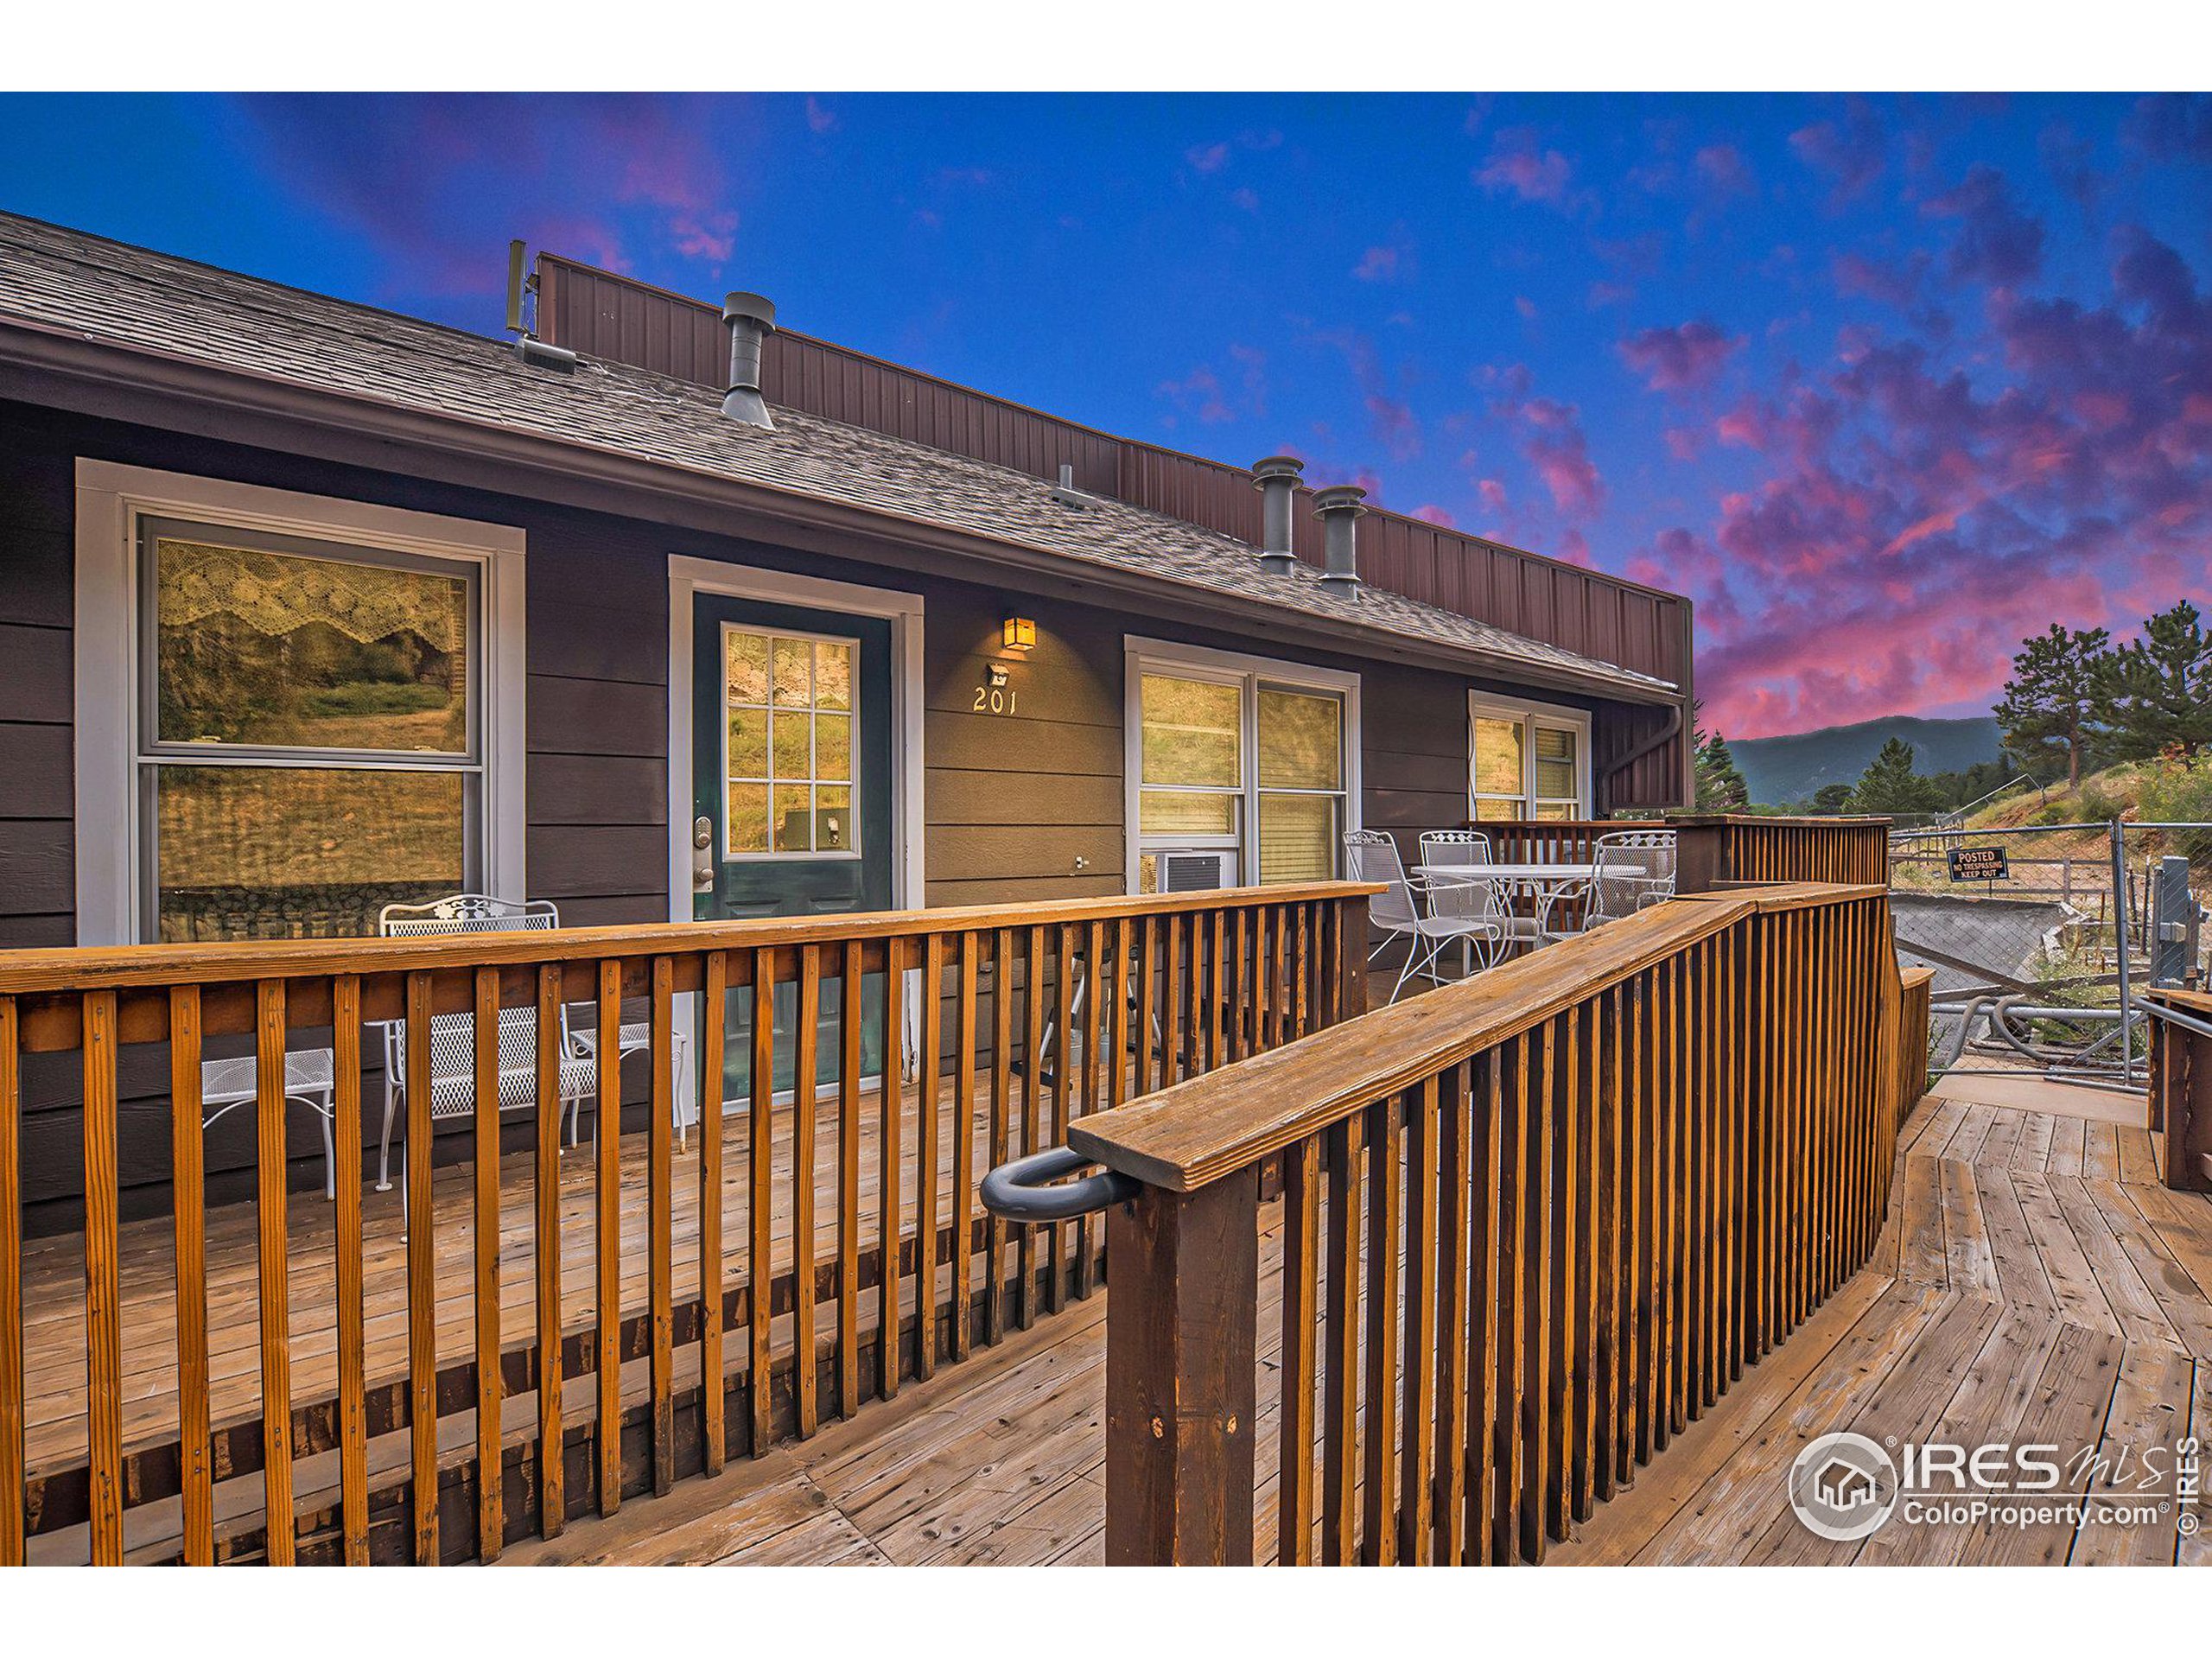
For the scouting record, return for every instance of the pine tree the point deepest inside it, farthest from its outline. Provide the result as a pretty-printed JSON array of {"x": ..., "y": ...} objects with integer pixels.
[
  {"x": 1890, "y": 785},
  {"x": 1832, "y": 797},
  {"x": 2051, "y": 704},
  {"x": 1721, "y": 787},
  {"x": 2155, "y": 692}
]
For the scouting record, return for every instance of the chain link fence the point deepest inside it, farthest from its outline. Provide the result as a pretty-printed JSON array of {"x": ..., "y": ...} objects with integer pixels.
[{"x": 2044, "y": 939}]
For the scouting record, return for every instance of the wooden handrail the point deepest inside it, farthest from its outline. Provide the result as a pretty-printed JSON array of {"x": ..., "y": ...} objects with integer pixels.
[
  {"x": 1531, "y": 1226},
  {"x": 47, "y": 984},
  {"x": 116, "y": 967},
  {"x": 854, "y": 1257},
  {"x": 1199, "y": 1131}
]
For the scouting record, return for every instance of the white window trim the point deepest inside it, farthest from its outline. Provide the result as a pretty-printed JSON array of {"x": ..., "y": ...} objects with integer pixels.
[
  {"x": 111, "y": 500},
  {"x": 1487, "y": 705},
  {"x": 1139, "y": 654},
  {"x": 689, "y": 577}
]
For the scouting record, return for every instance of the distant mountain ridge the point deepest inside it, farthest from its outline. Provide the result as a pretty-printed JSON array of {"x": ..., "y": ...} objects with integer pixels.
[{"x": 1784, "y": 769}]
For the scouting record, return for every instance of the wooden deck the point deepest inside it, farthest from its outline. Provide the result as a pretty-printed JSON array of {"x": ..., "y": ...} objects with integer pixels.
[
  {"x": 2033, "y": 1283},
  {"x": 55, "y": 1354}
]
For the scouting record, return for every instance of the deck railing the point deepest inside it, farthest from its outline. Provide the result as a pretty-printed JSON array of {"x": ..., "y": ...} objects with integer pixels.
[
  {"x": 1530, "y": 1226},
  {"x": 1715, "y": 849},
  {"x": 2181, "y": 1087},
  {"x": 732, "y": 1342}
]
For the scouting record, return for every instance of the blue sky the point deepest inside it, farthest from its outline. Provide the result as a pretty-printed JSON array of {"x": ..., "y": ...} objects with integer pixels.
[{"x": 1886, "y": 384}]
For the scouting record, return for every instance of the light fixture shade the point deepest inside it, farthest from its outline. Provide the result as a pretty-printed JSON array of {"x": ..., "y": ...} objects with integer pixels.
[{"x": 1018, "y": 633}]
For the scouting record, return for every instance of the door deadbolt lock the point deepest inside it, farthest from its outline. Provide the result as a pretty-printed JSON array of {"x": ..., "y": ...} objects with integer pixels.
[{"x": 702, "y": 862}]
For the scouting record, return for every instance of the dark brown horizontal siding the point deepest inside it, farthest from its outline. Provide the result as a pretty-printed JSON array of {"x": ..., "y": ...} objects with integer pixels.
[
  {"x": 38, "y": 896},
  {"x": 1025, "y": 803}
]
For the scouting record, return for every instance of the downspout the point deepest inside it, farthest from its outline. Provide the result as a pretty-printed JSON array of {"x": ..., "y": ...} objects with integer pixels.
[{"x": 1658, "y": 740}]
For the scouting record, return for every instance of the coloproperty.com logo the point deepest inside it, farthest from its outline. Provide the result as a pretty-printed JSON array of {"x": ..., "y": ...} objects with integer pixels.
[{"x": 1847, "y": 1486}]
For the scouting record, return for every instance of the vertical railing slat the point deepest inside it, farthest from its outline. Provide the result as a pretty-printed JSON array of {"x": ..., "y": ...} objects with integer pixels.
[
  {"x": 805, "y": 1101},
  {"x": 188, "y": 1226},
  {"x": 422, "y": 1281},
  {"x": 352, "y": 1312},
  {"x": 1301, "y": 1218},
  {"x": 964, "y": 1146},
  {"x": 998, "y": 1146},
  {"x": 760, "y": 1199},
  {"x": 660, "y": 1218},
  {"x": 713, "y": 1036},
  {"x": 890, "y": 1146},
  {"x": 929, "y": 1077},
  {"x": 273, "y": 1249},
  {"x": 850, "y": 1025},
  {"x": 607, "y": 1234},
  {"x": 491, "y": 1514},
  {"x": 104, "y": 1295},
  {"x": 546, "y": 1056}
]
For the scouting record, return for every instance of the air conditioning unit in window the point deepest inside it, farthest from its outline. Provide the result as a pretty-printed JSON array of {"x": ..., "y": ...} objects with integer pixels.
[{"x": 1197, "y": 872}]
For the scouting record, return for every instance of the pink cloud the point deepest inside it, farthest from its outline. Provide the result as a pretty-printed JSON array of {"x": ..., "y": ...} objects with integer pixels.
[
  {"x": 820, "y": 118},
  {"x": 1996, "y": 241},
  {"x": 1519, "y": 165},
  {"x": 1686, "y": 358},
  {"x": 1207, "y": 158},
  {"x": 1724, "y": 171}
]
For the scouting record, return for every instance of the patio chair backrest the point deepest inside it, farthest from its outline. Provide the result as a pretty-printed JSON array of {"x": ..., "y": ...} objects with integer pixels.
[
  {"x": 453, "y": 1036},
  {"x": 1468, "y": 901},
  {"x": 1635, "y": 868},
  {"x": 1371, "y": 855}
]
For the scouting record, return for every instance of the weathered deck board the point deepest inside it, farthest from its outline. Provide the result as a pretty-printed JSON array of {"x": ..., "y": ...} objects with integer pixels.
[{"x": 2043, "y": 1291}]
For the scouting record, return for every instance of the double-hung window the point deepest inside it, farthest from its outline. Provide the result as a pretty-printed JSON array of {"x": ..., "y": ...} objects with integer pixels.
[
  {"x": 1526, "y": 760},
  {"x": 1244, "y": 768},
  {"x": 307, "y": 720}
]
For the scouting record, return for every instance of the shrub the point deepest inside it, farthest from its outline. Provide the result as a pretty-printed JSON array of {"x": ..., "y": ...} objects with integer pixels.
[{"x": 2178, "y": 790}]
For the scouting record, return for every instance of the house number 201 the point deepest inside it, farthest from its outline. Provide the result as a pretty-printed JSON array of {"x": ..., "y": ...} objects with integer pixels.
[{"x": 995, "y": 700}]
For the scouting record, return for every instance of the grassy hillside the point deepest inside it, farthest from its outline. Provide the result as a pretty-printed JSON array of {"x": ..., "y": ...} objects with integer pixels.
[{"x": 1784, "y": 769}]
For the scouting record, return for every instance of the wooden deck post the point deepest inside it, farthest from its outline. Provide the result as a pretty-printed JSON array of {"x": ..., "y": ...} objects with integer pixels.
[
  {"x": 2181, "y": 1095},
  {"x": 1180, "y": 1392},
  {"x": 1700, "y": 854}
]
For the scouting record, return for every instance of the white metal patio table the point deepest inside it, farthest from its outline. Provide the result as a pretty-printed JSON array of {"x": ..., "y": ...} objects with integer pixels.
[{"x": 1546, "y": 883}]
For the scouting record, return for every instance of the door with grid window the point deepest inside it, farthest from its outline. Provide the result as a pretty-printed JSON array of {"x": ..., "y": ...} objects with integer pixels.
[{"x": 792, "y": 785}]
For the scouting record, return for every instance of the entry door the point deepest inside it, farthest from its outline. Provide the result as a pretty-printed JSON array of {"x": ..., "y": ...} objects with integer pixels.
[{"x": 792, "y": 795}]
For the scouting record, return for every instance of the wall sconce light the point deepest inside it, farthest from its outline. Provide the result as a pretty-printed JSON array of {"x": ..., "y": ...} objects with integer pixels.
[{"x": 1018, "y": 635}]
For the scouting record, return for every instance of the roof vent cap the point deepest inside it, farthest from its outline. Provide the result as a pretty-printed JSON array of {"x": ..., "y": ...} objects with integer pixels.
[
  {"x": 1338, "y": 509},
  {"x": 750, "y": 319},
  {"x": 1276, "y": 478}
]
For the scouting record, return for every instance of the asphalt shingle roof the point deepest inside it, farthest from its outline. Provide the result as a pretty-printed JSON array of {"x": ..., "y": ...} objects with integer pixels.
[{"x": 114, "y": 294}]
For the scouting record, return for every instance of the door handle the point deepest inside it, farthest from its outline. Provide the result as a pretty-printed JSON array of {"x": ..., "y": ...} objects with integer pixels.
[{"x": 702, "y": 860}]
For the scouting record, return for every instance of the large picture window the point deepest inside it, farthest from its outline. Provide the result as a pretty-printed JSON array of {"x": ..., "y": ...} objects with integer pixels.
[
  {"x": 309, "y": 726},
  {"x": 289, "y": 709},
  {"x": 1239, "y": 766},
  {"x": 1526, "y": 760}
]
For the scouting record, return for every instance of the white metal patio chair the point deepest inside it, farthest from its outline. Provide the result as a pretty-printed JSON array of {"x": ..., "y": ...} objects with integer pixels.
[
  {"x": 1635, "y": 868},
  {"x": 310, "y": 1077},
  {"x": 1371, "y": 855},
  {"x": 453, "y": 1036},
  {"x": 1471, "y": 900}
]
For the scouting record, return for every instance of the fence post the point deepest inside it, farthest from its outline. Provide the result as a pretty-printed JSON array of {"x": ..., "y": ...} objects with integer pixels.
[
  {"x": 1181, "y": 1391},
  {"x": 1700, "y": 854}
]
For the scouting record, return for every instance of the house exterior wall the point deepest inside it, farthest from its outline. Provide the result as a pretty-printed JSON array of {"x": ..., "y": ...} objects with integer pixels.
[{"x": 1012, "y": 801}]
